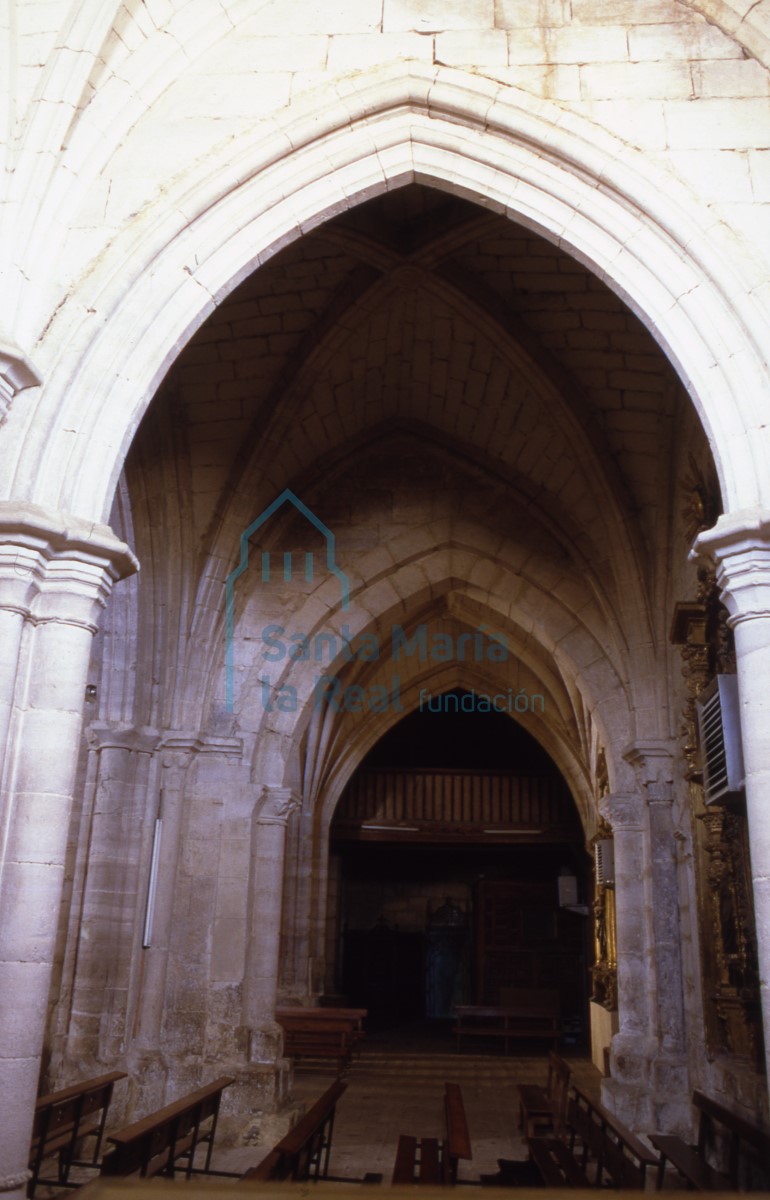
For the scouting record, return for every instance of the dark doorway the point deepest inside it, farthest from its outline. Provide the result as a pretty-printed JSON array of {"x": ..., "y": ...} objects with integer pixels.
[{"x": 452, "y": 840}]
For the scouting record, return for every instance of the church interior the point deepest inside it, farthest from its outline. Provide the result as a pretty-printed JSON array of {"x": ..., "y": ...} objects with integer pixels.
[{"x": 384, "y": 622}]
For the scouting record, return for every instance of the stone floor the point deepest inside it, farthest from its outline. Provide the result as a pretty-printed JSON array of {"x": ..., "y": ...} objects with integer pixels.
[{"x": 395, "y": 1085}]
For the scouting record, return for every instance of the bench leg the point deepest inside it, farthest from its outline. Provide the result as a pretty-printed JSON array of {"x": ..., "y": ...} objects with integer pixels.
[{"x": 661, "y": 1173}]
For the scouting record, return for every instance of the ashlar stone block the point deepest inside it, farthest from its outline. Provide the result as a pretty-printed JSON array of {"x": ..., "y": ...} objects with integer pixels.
[{"x": 437, "y": 15}]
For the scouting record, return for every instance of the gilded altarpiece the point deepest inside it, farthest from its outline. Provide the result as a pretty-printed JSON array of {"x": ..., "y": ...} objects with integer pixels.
[
  {"x": 725, "y": 902},
  {"x": 604, "y": 972}
]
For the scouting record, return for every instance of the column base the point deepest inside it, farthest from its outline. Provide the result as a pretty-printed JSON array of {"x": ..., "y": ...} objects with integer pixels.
[
  {"x": 670, "y": 1093},
  {"x": 265, "y": 1043},
  {"x": 627, "y": 1092},
  {"x": 257, "y": 1109},
  {"x": 649, "y": 1092},
  {"x": 14, "y": 1187},
  {"x": 630, "y": 1102},
  {"x": 150, "y": 1076}
]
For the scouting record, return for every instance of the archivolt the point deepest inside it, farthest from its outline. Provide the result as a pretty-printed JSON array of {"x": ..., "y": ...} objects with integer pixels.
[{"x": 644, "y": 233}]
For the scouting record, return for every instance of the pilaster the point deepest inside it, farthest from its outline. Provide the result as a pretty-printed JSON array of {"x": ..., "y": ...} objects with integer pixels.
[
  {"x": 739, "y": 546},
  {"x": 56, "y": 574},
  {"x": 108, "y": 871},
  {"x": 668, "y": 1080},
  {"x": 271, "y": 814},
  {"x": 631, "y": 1050}
]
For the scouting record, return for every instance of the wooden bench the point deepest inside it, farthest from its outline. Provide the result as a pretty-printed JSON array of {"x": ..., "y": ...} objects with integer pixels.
[
  {"x": 321, "y": 1033},
  {"x": 595, "y": 1150},
  {"x": 62, "y": 1120},
  {"x": 429, "y": 1160},
  {"x": 525, "y": 1014},
  {"x": 746, "y": 1150},
  {"x": 304, "y": 1152},
  {"x": 614, "y": 1149},
  {"x": 542, "y": 1109},
  {"x": 154, "y": 1144}
]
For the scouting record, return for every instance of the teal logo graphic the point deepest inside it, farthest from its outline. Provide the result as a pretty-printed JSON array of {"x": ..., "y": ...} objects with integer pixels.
[{"x": 286, "y": 568}]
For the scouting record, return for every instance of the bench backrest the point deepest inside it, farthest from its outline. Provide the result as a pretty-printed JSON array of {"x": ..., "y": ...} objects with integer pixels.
[
  {"x": 634, "y": 1145},
  {"x": 739, "y": 1132},
  {"x": 457, "y": 1140},
  {"x": 349, "y": 1019},
  {"x": 61, "y": 1120},
  {"x": 304, "y": 1151},
  {"x": 78, "y": 1089},
  {"x": 557, "y": 1088},
  {"x": 543, "y": 1001},
  {"x": 617, "y": 1150},
  {"x": 323, "y": 1012},
  {"x": 150, "y": 1143}
]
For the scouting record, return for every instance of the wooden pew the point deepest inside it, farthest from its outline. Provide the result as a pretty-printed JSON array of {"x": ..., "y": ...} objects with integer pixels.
[
  {"x": 747, "y": 1150},
  {"x": 62, "y": 1120},
  {"x": 304, "y": 1152},
  {"x": 542, "y": 1109},
  {"x": 155, "y": 1143},
  {"x": 557, "y": 1165},
  {"x": 595, "y": 1150},
  {"x": 428, "y": 1160},
  {"x": 525, "y": 1014},
  {"x": 321, "y": 1032},
  {"x": 615, "y": 1150}
]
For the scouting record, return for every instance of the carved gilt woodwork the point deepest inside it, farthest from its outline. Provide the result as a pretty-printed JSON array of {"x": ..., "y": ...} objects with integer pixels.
[
  {"x": 604, "y": 972},
  {"x": 726, "y": 916}
]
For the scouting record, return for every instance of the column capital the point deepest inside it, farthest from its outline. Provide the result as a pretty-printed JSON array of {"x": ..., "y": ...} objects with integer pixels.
[
  {"x": 22, "y": 571},
  {"x": 624, "y": 811},
  {"x": 102, "y": 735},
  {"x": 275, "y": 805},
  {"x": 174, "y": 762},
  {"x": 739, "y": 547},
  {"x": 57, "y": 534},
  {"x": 16, "y": 374},
  {"x": 56, "y": 567},
  {"x": 653, "y": 760}
]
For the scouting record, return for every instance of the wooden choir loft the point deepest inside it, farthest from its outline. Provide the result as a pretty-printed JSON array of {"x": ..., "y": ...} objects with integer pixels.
[{"x": 459, "y": 871}]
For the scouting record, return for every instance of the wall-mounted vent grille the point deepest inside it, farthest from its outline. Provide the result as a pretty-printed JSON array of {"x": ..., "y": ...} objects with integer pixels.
[
  {"x": 604, "y": 860},
  {"x": 719, "y": 732}
]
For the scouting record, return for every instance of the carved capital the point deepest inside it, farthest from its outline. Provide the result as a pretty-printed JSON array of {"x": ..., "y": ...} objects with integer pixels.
[
  {"x": 653, "y": 761},
  {"x": 624, "y": 812},
  {"x": 58, "y": 568},
  {"x": 174, "y": 761},
  {"x": 17, "y": 374},
  {"x": 660, "y": 793},
  {"x": 60, "y": 535},
  {"x": 275, "y": 806},
  {"x": 22, "y": 570},
  {"x": 105, "y": 736},
  {"x": 739, "y": 545}
]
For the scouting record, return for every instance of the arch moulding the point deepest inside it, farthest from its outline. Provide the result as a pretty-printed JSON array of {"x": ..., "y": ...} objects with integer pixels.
[{"x": 642, "y": 231}]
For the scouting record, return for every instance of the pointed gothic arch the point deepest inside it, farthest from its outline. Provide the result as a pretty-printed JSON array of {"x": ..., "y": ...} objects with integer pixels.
[{"x": 641, "y": 231}]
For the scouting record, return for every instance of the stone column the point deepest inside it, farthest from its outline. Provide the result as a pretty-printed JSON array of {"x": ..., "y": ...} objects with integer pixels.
[
  {"x": 260, "y": 985},
  {"x": 666, "y": 932},
  {"x": 739, "y": 544},
  {"x": 174, "y": 764},
  {"x": 632, "y": 1045},
  {"x": 112, "y": 894},
  {"x": 668, "y": 1080},
  {"x": 65, "y": 573},
  {"x": 21, "y": 572}
]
